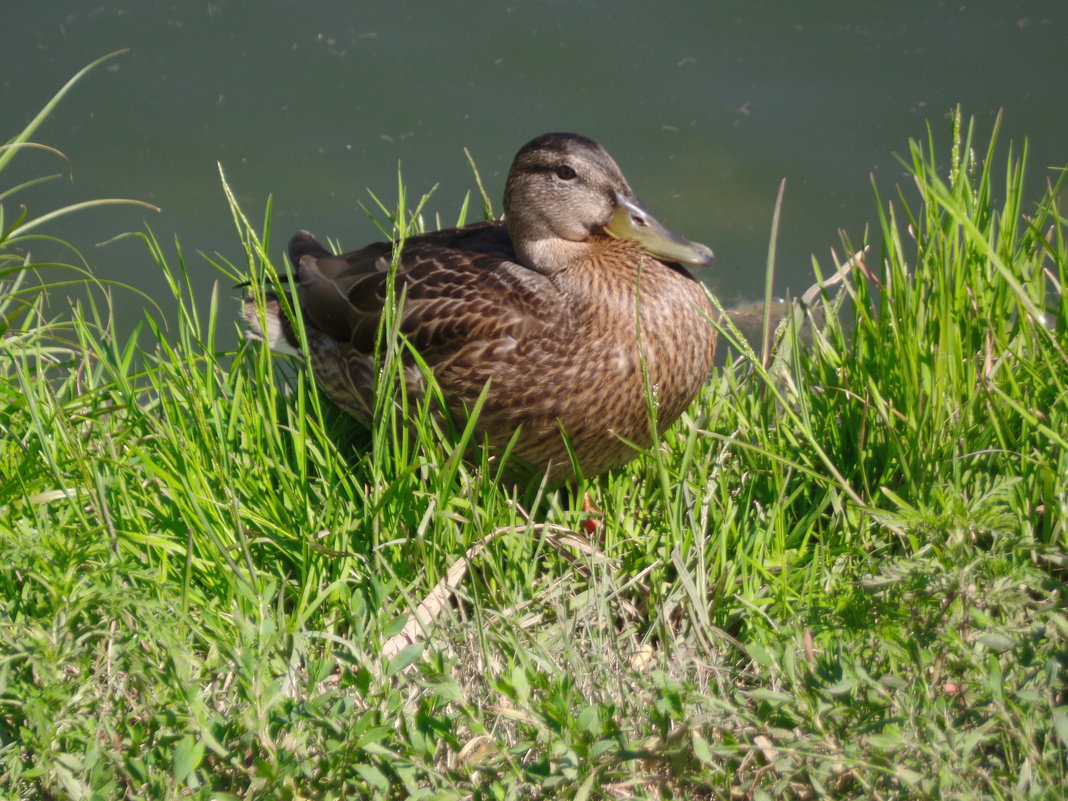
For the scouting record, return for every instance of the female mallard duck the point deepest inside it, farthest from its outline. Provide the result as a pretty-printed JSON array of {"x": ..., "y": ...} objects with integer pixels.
[{"x": 574, "y": 310}]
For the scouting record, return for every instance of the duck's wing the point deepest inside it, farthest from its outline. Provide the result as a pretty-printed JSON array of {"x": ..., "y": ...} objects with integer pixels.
[{"x": 459, "y": 285}]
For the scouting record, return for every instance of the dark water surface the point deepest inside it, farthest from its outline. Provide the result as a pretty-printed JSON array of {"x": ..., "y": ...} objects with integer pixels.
[{"x": 705, "y": 105}]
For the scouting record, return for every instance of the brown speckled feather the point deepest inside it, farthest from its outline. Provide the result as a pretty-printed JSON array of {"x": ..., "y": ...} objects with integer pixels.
[{"x": 567, "y": 329}]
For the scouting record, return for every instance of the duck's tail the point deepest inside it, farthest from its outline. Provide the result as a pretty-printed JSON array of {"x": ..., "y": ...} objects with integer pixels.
[{"x": 270, "y": 324}]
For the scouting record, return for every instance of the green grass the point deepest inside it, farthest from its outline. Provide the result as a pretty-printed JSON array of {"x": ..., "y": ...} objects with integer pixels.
[{"x": 840, "y": 575}]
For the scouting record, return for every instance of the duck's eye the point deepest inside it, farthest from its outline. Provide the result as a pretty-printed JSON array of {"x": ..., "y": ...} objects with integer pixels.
[{"x": 565, "y": 172}]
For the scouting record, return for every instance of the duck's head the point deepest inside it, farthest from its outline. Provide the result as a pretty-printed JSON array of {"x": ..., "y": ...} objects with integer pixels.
[{"x": 563, "y": 189}]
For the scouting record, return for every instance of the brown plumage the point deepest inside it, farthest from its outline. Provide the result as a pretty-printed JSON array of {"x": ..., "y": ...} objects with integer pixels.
[{"x": 559, "y": 308}]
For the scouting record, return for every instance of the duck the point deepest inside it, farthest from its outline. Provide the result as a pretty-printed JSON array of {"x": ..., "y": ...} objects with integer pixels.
[{"x": 574, "y": 320}]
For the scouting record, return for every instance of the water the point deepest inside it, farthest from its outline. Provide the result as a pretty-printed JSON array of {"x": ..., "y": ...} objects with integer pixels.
[{"x": 705, "y": 106}]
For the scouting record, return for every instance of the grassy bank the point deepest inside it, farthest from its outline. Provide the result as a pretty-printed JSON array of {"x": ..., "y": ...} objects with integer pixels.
[{"x": 840, "y": 574}]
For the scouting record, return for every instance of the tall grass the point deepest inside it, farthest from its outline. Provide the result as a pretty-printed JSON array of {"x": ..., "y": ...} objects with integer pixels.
[{"x": 839, "y": 574}]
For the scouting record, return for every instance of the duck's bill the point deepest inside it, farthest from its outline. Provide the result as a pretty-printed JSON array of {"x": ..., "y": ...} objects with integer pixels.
[{"x": 633, "y": 221}]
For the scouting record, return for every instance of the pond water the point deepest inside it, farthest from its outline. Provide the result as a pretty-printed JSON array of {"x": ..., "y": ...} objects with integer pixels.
[{"x": 705, "y": 106}]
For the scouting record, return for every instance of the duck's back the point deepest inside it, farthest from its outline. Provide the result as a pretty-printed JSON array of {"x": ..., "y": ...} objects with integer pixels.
[
  {"x": 582, "y": 354},
  {"x": 579, "y": 353}
]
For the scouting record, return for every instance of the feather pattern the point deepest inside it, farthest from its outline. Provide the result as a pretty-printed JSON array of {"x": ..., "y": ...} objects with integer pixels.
[{"x": 573, "y": 311}]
